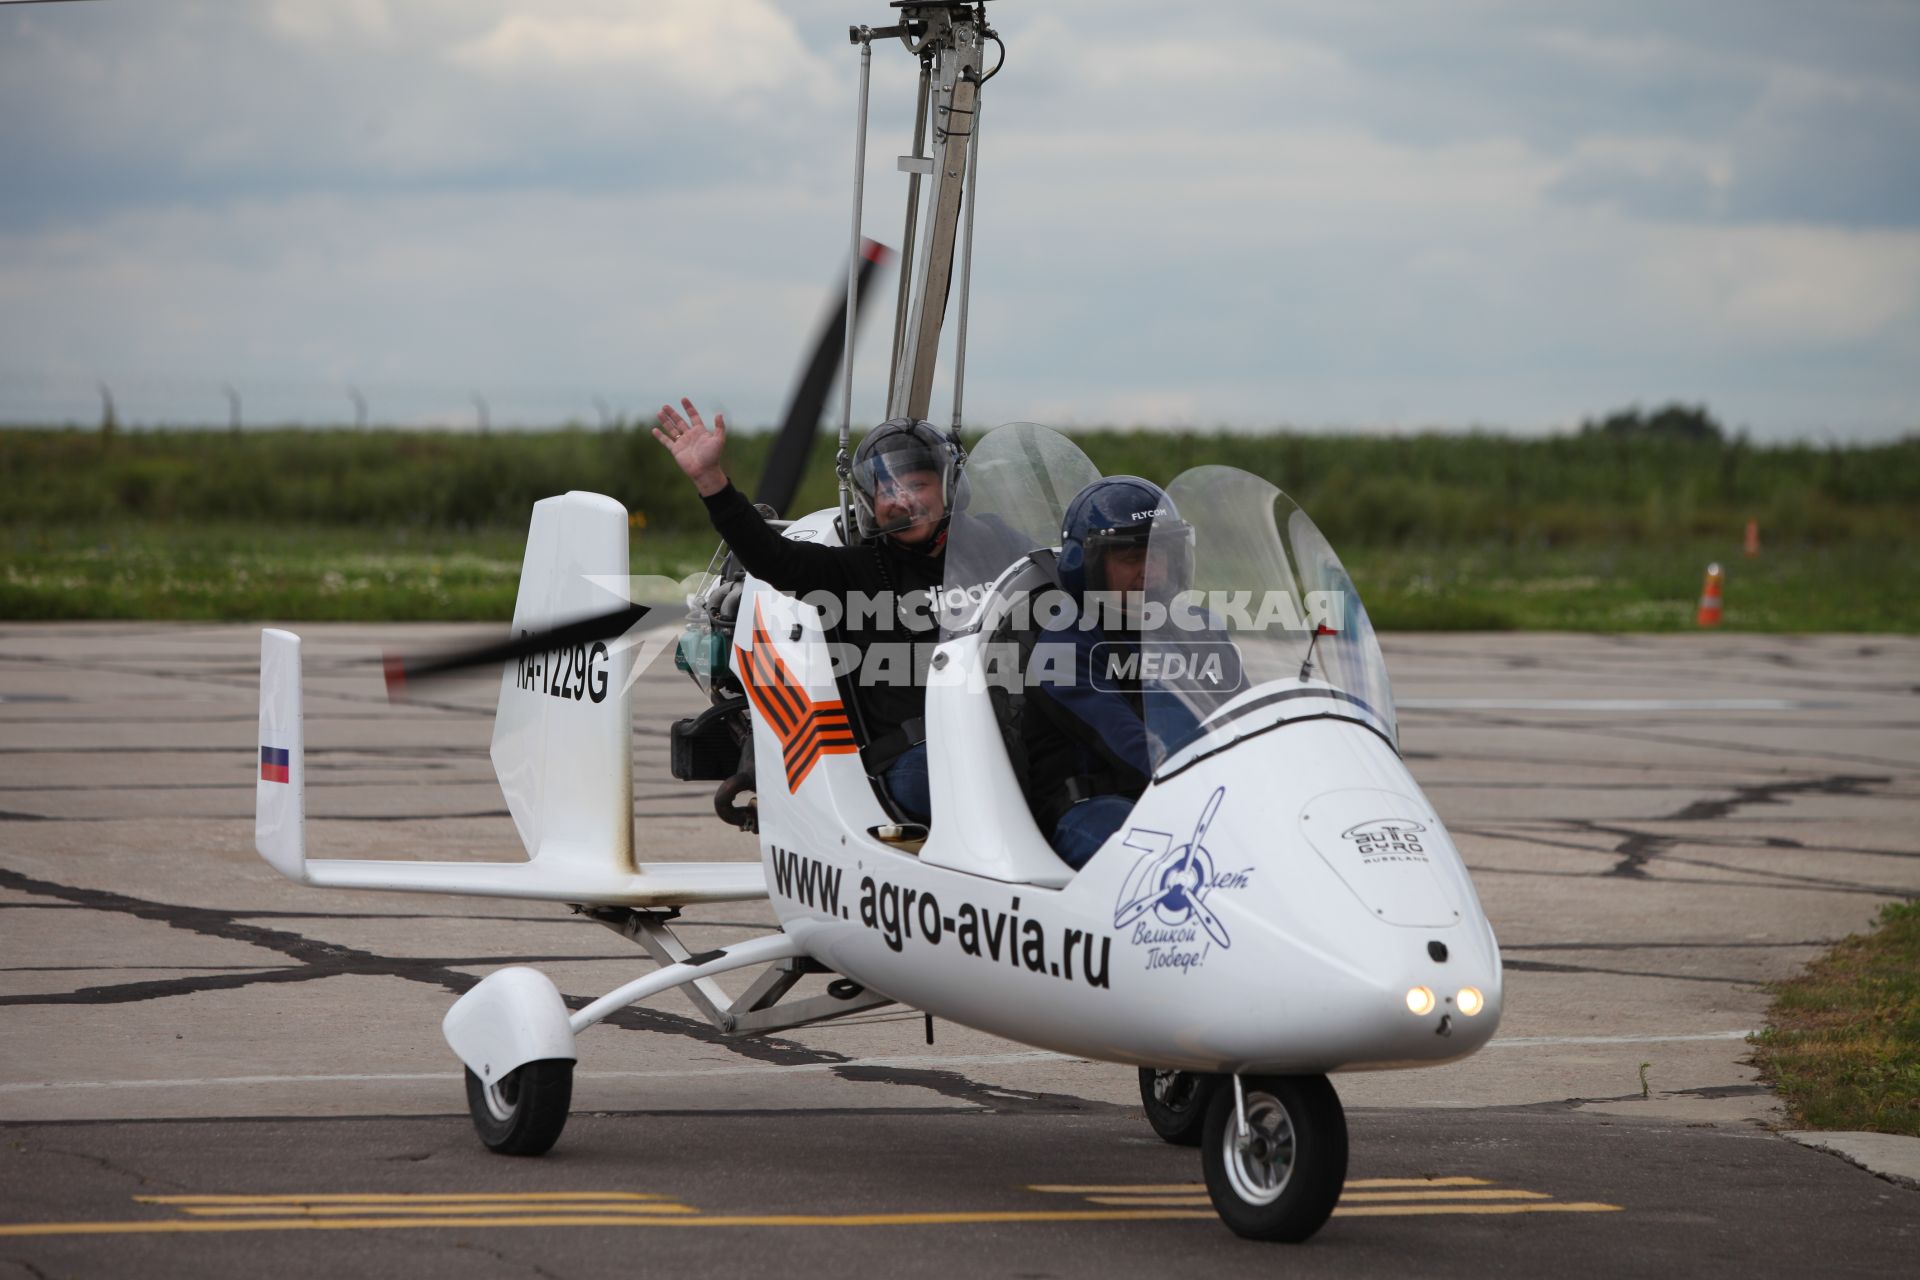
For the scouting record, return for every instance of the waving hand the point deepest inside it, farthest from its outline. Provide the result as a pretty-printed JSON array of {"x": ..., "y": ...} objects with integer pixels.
[{"x": 696, "y": 448}]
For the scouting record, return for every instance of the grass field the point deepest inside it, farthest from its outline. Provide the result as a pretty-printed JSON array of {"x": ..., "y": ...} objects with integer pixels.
[
  {"x": 1843, "y": 1047},
  {"x": 236, "y": 569},
  {"x": 211, "y": 572},
  {"x": 1439, "y": 532}
]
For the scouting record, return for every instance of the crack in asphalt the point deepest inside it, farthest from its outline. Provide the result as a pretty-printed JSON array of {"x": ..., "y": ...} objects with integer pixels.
[
  {"x": 1547, "y": 966},
  {"x": 230, "y": 977},
  {"x": 251, "y": 914},
  {"x": 1635, "y": 848},
  {"x": 506, "y": 1259},
  {"x": 1640, "y": 847},
  {"x": 1869, "y": 890},
  {"x": 139, "y": 1179},
  {"x": 1773, "y": 793},
  {"x": 320, "y": 959},
  {"x": 1662, "y": 946}
]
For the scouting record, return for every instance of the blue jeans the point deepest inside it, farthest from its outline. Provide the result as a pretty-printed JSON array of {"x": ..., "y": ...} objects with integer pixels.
[
  {"x": 906, "y": 781},
  {"x": 1085, "y": 827}
]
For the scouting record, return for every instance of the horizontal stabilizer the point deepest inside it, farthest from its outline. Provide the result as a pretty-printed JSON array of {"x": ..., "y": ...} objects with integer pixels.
[
  {"x": 280, "y": 832},
  {"x": 656, "y": 884}
]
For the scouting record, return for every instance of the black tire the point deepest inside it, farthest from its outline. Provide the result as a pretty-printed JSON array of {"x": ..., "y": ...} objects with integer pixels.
[
  {"x": 524, "y": 1113},
  {"x": 1176, "y": 1103},
  {"x": 1284, "y": 1186}
]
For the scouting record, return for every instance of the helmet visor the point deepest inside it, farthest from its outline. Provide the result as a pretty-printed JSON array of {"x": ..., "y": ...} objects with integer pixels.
[
  {"x": 1154, "y": 560},
  {"x": 902, "y": 484}
]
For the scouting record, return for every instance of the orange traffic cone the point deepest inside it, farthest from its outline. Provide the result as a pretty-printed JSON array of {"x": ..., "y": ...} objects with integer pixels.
[
  {"x": 1753, "y": 538},
  {"x": 1709, "y": 615}
]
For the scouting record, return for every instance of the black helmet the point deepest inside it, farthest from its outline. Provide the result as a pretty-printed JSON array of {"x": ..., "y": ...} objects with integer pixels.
[
  {"x": 1116, "y": 512},
  {"x": 897, "y": 448}
]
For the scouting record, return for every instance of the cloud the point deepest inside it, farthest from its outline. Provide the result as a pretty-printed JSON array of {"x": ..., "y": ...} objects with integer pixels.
[
  {"x": 685, "y": 47},
  {"x": 338, "y": 21},
  {"x": 1353, "y": 211}
]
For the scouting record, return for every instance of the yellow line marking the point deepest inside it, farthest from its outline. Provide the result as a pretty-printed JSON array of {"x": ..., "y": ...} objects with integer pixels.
[
  {"x": 202, "y": 1225},
  {"x": 397, "y": 1197},
  {"x": 174, "y": 1227},
  {"x": 343, "y": 1210},
  {"x": 1171, "y": 1188},
  {"x": 1432, "y": 1210},
  {"x": 1189, "y": 1188},
  {"x": 1443, "y": 1195},
  {"x": 1349, "y": 1197}
]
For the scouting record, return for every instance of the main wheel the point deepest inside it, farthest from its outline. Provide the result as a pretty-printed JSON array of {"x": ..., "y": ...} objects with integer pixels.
[
  {"x": 1176, "y": 1103},
  {"x": 523, "y": 1112},
  {"x": 1279, "y": 1181}
]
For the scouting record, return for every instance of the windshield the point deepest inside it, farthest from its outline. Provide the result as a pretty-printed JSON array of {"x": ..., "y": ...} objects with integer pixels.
[
  {"x": 1256, "y": 621},
  {"x": 1013, "y": 494}
]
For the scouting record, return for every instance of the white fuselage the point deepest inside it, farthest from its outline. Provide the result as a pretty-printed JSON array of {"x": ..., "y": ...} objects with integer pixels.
[{"x": 1322, "y": 889}]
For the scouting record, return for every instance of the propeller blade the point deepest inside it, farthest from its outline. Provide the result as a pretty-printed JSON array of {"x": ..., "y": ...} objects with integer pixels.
[
  {"x": 1200, "y": 828},
  {"x": 402, "y": 670},
  {"x": 1210, "y": 920},
  {"x": 785, "y": 463},
  {"x": 788, "y": 458},
  {"x": 1137, "y": 908}
]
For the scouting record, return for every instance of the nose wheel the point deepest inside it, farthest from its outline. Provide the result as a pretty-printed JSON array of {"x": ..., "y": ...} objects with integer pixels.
[
  {"x": 1275, "y": 1154},
  {"x": 523, "y": 1112}
]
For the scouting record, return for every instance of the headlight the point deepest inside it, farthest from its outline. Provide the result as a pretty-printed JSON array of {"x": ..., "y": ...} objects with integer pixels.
[
  {"x": 1419, "y": 1001},
  {"x": 1469, "y": 1001}
]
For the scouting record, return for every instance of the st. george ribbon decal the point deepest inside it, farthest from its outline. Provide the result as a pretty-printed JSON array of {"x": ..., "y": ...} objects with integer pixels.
[{"x": 807, "y": 729}]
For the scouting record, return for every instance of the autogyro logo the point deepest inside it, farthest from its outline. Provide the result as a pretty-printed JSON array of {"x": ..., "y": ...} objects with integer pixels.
[
  {"x": 1164, "y": 897},
  {"x": 1387, "y": 840}
]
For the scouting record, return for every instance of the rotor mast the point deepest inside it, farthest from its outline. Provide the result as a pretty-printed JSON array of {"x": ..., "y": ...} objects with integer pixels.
[{"x": 948, "y": 37}]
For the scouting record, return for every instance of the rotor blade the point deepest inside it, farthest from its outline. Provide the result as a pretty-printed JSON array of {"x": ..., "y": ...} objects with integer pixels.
[
  {"x": 402, "y": 670},
  {"x": 788, "y": 458}
]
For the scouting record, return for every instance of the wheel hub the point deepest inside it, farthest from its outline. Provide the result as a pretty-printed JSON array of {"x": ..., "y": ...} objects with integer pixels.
[
  {"x": 1260, "y": 1164},
  {"x": 1171, "y": 1089},
  {"x": 503, "y": 1095}
]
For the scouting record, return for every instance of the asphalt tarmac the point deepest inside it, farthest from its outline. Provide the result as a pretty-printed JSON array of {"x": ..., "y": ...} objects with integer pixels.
[{"x": 201, "y": 1065}]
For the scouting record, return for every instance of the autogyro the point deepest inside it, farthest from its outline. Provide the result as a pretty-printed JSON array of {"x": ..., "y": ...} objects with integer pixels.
[{"x": 1282, "y": 902}]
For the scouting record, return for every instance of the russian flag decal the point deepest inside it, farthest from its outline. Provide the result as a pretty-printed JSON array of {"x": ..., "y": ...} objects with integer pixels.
[{"x": 273, "y": 764}]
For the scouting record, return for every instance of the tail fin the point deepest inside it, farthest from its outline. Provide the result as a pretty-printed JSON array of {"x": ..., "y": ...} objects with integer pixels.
[
  {"x": 279, "y": 795},
  {"x": 563, "y": 734},
  {"x": 562, "y": 746}
]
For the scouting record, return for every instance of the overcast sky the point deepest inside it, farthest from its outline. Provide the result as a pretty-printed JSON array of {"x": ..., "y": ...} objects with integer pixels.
[{"x": 1326, "y": 214}]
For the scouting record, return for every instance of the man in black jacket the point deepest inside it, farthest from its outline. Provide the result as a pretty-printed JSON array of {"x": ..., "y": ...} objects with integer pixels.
[{"x": 902, "y": 481}]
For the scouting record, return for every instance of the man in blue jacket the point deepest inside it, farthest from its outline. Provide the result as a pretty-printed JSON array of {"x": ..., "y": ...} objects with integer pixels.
[{"x": 1088, "y": 753}]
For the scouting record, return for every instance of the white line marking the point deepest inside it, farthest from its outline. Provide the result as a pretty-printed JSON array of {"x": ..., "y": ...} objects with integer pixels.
[
  {"x": 912, "y": 1060},
  {"x": 1528, "y": 1042},
  {"x": 920, "y": 1060},
  {"x": 1610, "y": 704}
]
